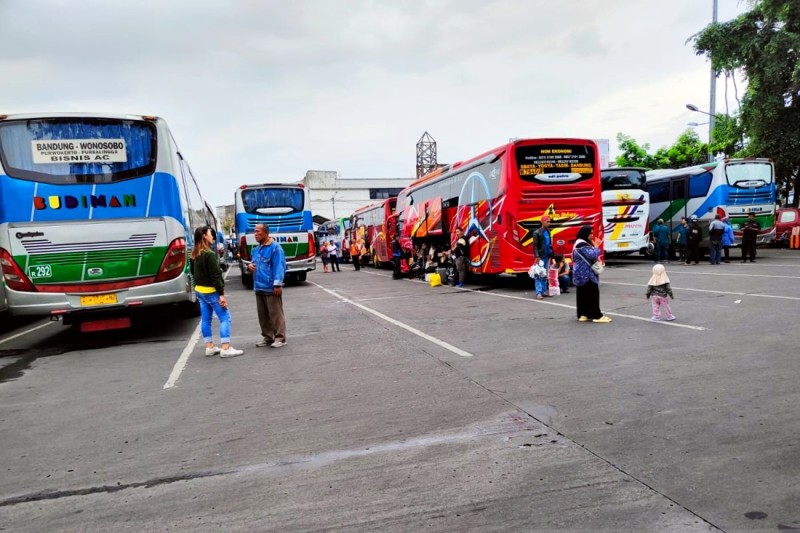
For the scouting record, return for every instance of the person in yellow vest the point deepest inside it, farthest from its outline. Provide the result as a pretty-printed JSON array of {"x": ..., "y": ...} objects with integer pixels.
[{"x": 355, "y": 255}]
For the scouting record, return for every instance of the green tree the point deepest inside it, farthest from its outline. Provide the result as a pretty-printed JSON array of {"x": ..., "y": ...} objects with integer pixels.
[
  {"x": 632, "y": 154},
  {"x": 763, "y": 44},
  {"x": 688, "y": 150},
  {"x": 728, "y": 136}
]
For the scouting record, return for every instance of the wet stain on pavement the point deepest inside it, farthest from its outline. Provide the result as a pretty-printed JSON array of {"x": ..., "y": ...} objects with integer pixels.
[
  {"x": 755, "y": 515},
  {"x": 26, "y": 358},
  {"x": 17, "y": 369}
]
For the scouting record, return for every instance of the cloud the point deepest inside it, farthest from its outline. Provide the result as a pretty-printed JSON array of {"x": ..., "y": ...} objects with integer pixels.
[{"x": 265, "y": 90}]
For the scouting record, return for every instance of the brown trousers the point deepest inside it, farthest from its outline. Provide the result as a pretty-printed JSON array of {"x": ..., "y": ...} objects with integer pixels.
[{"x": 271, "y": 317}]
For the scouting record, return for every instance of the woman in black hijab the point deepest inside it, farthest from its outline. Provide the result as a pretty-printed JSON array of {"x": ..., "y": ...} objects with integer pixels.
[{"x": 584, "y": 254}]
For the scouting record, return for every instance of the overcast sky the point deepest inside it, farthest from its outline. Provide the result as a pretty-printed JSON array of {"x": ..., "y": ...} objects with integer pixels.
[{"x": 263, "y": 90}]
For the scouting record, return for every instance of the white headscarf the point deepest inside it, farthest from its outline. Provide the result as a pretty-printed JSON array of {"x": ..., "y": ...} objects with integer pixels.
[{"x": 659, "y": 276}]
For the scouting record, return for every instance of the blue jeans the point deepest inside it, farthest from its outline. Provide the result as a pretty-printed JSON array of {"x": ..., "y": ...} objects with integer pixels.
[
  {"x": 541, "y": 285},
  {"x": 715, "y": 252},
  {"x": 209, "y": 304},
  {"x": 662, "y": 252}
]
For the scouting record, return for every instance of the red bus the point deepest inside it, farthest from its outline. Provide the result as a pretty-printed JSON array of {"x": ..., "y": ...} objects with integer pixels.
[
  {"x": 499, "y": 197},
  {"x": 376, "y": 224}
]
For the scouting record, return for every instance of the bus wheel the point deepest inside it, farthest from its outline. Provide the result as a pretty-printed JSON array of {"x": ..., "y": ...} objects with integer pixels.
[
  {"x": 247, "y": 280},
  {"x": 301, "y": 276}
]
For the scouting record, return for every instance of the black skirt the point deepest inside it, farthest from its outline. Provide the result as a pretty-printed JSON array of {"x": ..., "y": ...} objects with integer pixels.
[{"x": 588, "y": 300}]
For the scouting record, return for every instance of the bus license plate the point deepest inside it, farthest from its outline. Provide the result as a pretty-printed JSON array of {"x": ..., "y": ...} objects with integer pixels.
[
  {"x": 98, "y": 299},
  {"x": 622, "y": 245}
]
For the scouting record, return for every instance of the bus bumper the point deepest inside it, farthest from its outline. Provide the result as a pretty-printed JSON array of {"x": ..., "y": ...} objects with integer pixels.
[
  {"x": 175, "y": 291},
  {"x": 301, "y": 265},
  {"x": 766, "y": 237}
]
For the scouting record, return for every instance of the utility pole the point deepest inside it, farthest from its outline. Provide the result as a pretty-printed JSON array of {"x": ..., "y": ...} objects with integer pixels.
[
  {"x": 333, "y": 204},
  {"x": 712, "y": 108}
]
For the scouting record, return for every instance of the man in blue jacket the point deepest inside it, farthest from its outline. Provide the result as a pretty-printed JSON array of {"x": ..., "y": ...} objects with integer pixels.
[{"x": 268, "y": 268}]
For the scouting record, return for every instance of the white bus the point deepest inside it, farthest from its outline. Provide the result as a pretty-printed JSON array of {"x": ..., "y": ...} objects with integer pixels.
[
  {"x": 626, "y": 209},
  {"x": 285, "y": 209},
  {"x": 732, "y": 188},
  {"x": 96, "y": 217}
]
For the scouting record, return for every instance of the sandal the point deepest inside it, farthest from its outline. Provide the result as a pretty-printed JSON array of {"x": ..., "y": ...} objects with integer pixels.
[
  {"x": 583, "y": 319},
  {"x": 603, "y": 320}
]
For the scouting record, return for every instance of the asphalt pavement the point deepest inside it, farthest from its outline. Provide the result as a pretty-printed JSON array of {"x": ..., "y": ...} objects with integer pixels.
[{"x": 396, "y": 406}]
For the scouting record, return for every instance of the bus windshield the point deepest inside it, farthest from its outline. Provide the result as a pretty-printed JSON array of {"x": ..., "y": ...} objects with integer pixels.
[
  {"x": 749, "y": 174},
  {"x": 613, "y": 179},
  {"x": 272, "y": 200},
  {"x": 74, "y": 150},
  {"x": 555, "y": 163}
]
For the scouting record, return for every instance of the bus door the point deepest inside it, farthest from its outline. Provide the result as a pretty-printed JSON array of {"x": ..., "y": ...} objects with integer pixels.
[{"x": 678, "y": 201}]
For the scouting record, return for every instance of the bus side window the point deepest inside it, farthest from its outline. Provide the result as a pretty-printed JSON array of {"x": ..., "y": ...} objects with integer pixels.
[
  {"x": 698, "y": 185},
  {"x": 659, "y": 192}
]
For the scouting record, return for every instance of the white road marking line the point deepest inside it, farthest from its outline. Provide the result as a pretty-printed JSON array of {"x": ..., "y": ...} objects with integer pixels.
[
  {"x": 438, "y": 342},
  {"x": 697, "y": 273},
  {"x": 565, "y": 306},
  {"x": 40, "y": 326},
  {"x": 755, "y": 295},
  {"x": 384, "y": 298},
  {"x": 180, "y": 364}
]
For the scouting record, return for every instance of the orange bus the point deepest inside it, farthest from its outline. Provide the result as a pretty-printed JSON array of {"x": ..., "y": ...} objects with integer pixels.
[{"x": 499, "y": 197}]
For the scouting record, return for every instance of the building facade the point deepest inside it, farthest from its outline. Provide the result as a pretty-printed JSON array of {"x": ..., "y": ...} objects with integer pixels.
[{"x": 332, "y": 196}]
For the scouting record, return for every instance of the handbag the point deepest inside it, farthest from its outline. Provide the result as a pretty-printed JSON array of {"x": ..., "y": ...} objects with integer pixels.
[{"x": 597, "y": 267}]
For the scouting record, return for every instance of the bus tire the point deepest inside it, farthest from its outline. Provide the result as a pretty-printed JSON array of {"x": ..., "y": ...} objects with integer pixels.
[
  {"x": 247, "y": 280},
  {"x": 301, "y": 276}
]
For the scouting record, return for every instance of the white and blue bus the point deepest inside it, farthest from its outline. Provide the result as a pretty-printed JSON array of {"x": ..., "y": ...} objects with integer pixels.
[
  {"x": 731, "y": 188},
  {"x": 96, "y": 217},
  {"x": 626, "y": 210},
  {"x": 285, "y": 210}
]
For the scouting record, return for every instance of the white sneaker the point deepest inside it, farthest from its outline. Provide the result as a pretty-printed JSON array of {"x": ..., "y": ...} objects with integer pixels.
[
  {"x": 230, "y": 352},
  {"x": 655, "y": 317},
  {"x": 278, "y": 344},
  {"x": 214, "y": 350}
]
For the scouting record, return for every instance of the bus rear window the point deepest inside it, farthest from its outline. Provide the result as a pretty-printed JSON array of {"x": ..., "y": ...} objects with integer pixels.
[
  {"x": 272, "y": 201},
  {"x": 70, "y": 150},
  {"x": 612, "y": 179},
  {"x": 555, "y": 163}
]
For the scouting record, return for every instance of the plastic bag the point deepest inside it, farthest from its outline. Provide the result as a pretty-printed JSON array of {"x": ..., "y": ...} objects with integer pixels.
[
  {"x": 435, "y": 279},
  {"x": 598, "y": 267}
]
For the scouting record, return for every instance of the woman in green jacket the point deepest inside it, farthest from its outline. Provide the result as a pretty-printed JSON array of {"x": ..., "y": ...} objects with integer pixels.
[{"x": 210, "y": 289}]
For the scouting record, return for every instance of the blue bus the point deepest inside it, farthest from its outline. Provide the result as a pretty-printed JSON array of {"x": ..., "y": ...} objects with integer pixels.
[
  {"x": 285, "y": 209},
  {"x": 732, "y": 188},
  {"x": 96, "y": 217}
]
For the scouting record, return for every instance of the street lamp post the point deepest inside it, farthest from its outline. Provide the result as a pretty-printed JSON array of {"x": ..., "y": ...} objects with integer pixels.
[
  {"x": 333, "y": 204},
  {"x": 712, "y": 107},
  {"x": 692, "y": 107}
]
